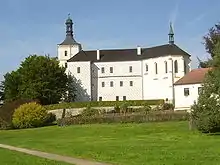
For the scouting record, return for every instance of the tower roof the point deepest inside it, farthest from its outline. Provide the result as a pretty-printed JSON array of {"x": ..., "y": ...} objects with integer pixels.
[
  {"x": 171, "y": 29},
  {"x": 69, "y": 40}
]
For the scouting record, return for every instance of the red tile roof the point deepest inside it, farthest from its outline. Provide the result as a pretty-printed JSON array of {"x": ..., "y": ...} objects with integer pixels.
[{"x": 195, "y": 76}]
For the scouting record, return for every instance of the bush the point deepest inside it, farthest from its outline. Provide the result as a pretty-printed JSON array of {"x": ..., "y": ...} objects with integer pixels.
[
  {"x": 102, "y": 104},
  {"x": 90, "y": 111},
  {"x": 50, "y": 118},
  {"x": 167, "y": 106},
  {"x": 121, "y": 118},
  {"x": 7, "y": 110},
  {"x": 30, "y": 115}
]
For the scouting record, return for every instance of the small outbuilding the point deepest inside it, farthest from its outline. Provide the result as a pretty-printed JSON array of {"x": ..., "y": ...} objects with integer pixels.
[{"x": 187, "y": 88}]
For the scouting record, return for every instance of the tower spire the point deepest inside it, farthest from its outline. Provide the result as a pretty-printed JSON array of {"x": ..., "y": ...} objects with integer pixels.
[{"x": 171, "y": 34}]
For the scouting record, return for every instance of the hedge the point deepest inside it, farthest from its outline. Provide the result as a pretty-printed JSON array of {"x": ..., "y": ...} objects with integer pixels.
[
  {"x": 128, "y": 118},
  {"x": 103, "y": 104}
]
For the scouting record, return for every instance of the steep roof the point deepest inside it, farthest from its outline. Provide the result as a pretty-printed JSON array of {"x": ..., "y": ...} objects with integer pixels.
[
  {"x": 128, "y": 54},
  {"x": 69, "y": 40},
  {"x": 195, "y": 76}
]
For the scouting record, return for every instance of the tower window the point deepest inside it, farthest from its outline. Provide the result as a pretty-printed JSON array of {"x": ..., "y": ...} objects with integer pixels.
[
  {"x": 111, "y": 69},
  {"x": 175, "y": 66},
  {"x": 165, "y": 63},
  {"x": 65, "y": 52},
  {"x": 146, "y": 68},
  {"x": 130, "y": 69},
  {"x": 111, "y": 84},
  {"x": 78, "y": 69},
  {"x": 156, "y": 71},
  {"x": 103, "y": 70},
  {"x": 121, "y": 83},
  {"x": 131, "y": 83},
  {"x": 103, "y": 84},
  {"x": 185, "y": 67},
  {"x": 124, "y": 98}
]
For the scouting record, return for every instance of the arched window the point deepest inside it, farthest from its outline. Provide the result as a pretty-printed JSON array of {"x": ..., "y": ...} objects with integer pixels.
[
  {"x": 146, "y": 68},
  {"x": 156, "y": 71},
  {"x": 175, "y": 66},
  {"x": 165, "y": 63}
]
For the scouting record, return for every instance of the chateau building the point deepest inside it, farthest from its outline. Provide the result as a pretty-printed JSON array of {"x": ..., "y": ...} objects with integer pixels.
[{"x": 124, "y": 74}]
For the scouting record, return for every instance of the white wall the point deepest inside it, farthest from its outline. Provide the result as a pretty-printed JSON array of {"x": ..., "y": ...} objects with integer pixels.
[
  {"x": 120, "y": 73},
  {"x": 185, "y": 102},
  {"x": 160, "y": 85},
  {"x": 83, "y": 79},
  {"x": 71, "y": 51}
]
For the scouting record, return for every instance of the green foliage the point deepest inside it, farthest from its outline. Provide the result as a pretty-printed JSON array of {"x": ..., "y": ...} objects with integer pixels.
[
  {"x": 2, "y": 88},
  {"x": 7, "y": 110},
  {"x": 70, "y": 94},
  {"x": 30, "y": 115},
  {"x": 102, "y": 104},
  {"x": 205, "y": 113},
  {"x": 38, "y": 77},
  {"x": 88, "y": 111},
  {"x": 128, "y": 118},
  {"x": 167, "y": 106},
  {"x": 212, "y": 39}
]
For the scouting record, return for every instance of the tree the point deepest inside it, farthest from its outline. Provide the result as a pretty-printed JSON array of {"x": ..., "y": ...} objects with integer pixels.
[
  {"x": 206, "y": 114},
  {"x": 1, "y": 91},
  {"x": 70, "y": 94},
  {"x": 38, "y": 77},
  {"x": 210, "y": 40}
]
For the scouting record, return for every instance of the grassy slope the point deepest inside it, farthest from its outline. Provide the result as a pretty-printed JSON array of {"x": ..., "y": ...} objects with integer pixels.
[
  {"x": 8, "y": 157},
  {"x": 131, "y": 144}
]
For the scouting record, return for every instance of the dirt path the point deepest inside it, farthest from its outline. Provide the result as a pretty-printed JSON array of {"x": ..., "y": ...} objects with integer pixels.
[{"x": 50, "y": 156}]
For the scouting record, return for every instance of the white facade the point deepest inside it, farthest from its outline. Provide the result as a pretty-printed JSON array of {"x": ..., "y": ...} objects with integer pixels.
[
  {"x": 128, "y": 80},
  {"x": 186, "y": 95},
  {"x": 141, "y": 79}
]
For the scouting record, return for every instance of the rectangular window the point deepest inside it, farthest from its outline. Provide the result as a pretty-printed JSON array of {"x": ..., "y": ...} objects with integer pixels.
[
  {"x": 121, "y": 83},
  {"x": 65, "y": 53},
  {"x": 103, "y": 84},
  {"x": 131, "y": 83},
  {"x": 78, "y": 69},
  {"x": 111, "y": 84},
  {"x": 130, "y": 69},
  {"x": 186, "y": 91},
  {"x": 66, "y": 65},
  {"x": 146, "y": 68},
  {"x": 111, "y": 69},
  {"x": 199, "y": 90},
  {"x": 103, "y": 70},
  {"x": 100, "y": 98},
  {"x": 124, "y": 98},
  {"x": 117, "y": 98}
]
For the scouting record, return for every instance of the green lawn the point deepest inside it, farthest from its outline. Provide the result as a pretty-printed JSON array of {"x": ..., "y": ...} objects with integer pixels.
[
  {"x": 126, "y": 144},
  {"x": 8, "y": 157}
]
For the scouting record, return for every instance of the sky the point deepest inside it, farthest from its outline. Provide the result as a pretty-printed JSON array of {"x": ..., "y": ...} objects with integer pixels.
[{"x": 36, "y": 27}]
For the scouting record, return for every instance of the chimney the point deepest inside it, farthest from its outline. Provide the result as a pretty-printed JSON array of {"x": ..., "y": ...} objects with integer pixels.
[
  {"x": 138, "y": 50},
  {"x": 98, "y": 54}
]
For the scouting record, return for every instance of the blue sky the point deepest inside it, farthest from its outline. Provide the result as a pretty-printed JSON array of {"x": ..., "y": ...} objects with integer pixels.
[{"x": 29, "y": 26}]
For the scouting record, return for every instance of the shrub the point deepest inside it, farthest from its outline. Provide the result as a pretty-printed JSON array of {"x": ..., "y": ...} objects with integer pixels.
[
  {"x": 7, "y": 110},
  {"x": 90, "y": 111},
  {"x": 167, "y": 106},
  {"x": 102, "y": 104},
  {"x": 120, "y": 118},
  {"x": 50, "y": 118},
  {"x": 30, "y": 115}
]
